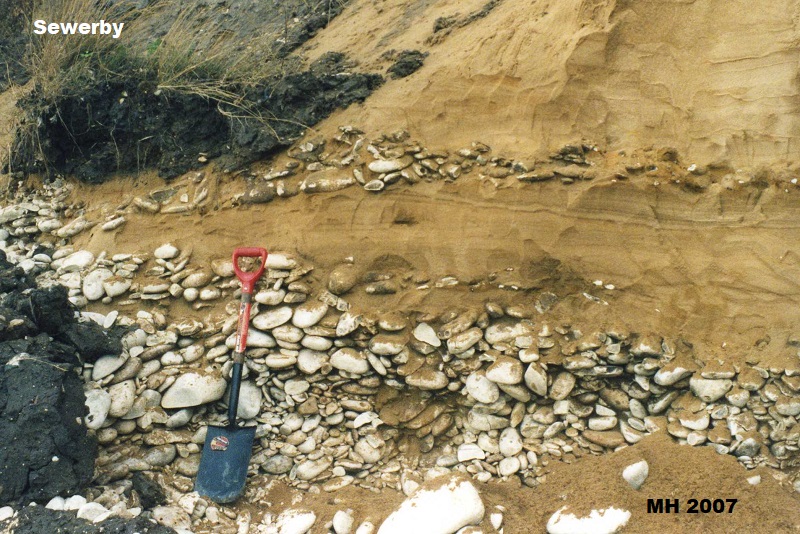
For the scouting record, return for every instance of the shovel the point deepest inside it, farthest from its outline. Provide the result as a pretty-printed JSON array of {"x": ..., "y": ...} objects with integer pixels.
[{"x": 226, "y": 454}]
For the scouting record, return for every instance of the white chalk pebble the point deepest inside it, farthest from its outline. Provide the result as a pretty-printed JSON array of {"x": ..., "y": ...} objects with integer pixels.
[
  {"x": 6, "y": 512},
  {"x": 365, "y": 528},
  {"x": 343, "y": 522},
  {"x": 94, "y": 512},
  {"x": 74, "y": 502},
  {"x": 56, "y": 503},
  {"x": 636, "y": 474},
  {"x": 496, "y": 519},
  {"x": 296, "y": 521},
  {"x": 166, "y": 251}
]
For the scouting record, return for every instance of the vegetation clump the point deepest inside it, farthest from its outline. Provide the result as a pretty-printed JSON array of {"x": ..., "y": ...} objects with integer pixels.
[{"x": 186, "y": 81}]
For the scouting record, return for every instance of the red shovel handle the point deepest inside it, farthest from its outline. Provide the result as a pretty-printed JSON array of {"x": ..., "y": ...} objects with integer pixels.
[{"x": 249, "y": 279}]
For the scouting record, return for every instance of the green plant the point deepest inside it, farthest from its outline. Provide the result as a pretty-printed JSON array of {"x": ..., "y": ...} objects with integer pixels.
[{"x": 153, "y": 47}]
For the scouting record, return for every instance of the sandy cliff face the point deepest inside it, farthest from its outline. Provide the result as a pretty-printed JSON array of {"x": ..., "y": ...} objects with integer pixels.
[{"x": 716, "y": 79}]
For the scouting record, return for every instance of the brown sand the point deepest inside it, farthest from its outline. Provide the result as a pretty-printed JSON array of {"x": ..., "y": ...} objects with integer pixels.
[
  {"x": 676, "y": 471},
  {"x": 716, "y": 268},
  {"x": 586, "y": 484},
  {"x": 716, "y": 80},
  {"x": 712, "y": 267}
]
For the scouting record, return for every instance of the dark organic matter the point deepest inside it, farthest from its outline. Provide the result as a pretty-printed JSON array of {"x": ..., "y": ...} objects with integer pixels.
[
  {"x": 46, "y": 450},
  {"x": 407, "y": 62},
  {"x": 120, "y": 112},
  {"x": 129, "y": 127},
  {"x": 37, "y": 520},
  {"x": 150, "y": 493}
]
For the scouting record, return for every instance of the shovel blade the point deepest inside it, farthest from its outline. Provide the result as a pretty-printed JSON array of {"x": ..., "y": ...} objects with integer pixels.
[{"x": 223, "y": 465}]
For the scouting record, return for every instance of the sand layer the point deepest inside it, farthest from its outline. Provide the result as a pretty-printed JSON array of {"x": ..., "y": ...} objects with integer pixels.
[
  {"x": 716, "y": 80},
  {"x": 715, "y": 267}
]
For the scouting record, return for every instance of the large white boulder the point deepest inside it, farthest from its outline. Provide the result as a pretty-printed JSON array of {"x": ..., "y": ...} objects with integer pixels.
[
  {"x": 443, "y": 508},
  {"x": 193, "y": 389}
]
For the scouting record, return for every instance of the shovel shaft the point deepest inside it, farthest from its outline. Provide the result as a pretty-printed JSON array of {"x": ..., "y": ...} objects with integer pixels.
[
  {"x": 236, "y": 382},
  {"x": 243, "y": 328},
  {"x": 238, "y": 358},
  {"x": 248, "y": 280}
]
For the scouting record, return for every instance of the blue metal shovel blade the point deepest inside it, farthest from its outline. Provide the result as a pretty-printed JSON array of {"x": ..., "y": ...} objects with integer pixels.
[{"x": 223, "y": 466}]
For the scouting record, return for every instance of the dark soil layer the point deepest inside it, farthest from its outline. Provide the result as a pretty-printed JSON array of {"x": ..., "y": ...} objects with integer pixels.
[
  {"x": 38, "y": 520},
  {"x": 126, "y": 123},
  {"x": 128, "y": 127},
  {"x": 103, "y": 131},
  {"x": 296, "y": 102},
  {"x": 46, "y": 450}
]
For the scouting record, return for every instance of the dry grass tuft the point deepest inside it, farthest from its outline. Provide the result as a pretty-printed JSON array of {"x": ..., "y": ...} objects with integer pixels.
[
  {"x": 61, "y": 66},
  {"x": 192, "y": 56}
]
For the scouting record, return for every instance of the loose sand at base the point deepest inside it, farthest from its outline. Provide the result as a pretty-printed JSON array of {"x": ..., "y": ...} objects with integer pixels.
[{"x": 586, "y": 484}]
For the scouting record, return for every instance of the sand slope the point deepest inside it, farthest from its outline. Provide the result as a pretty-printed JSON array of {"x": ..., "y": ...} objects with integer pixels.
[{"x": 716, "y": 80}]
